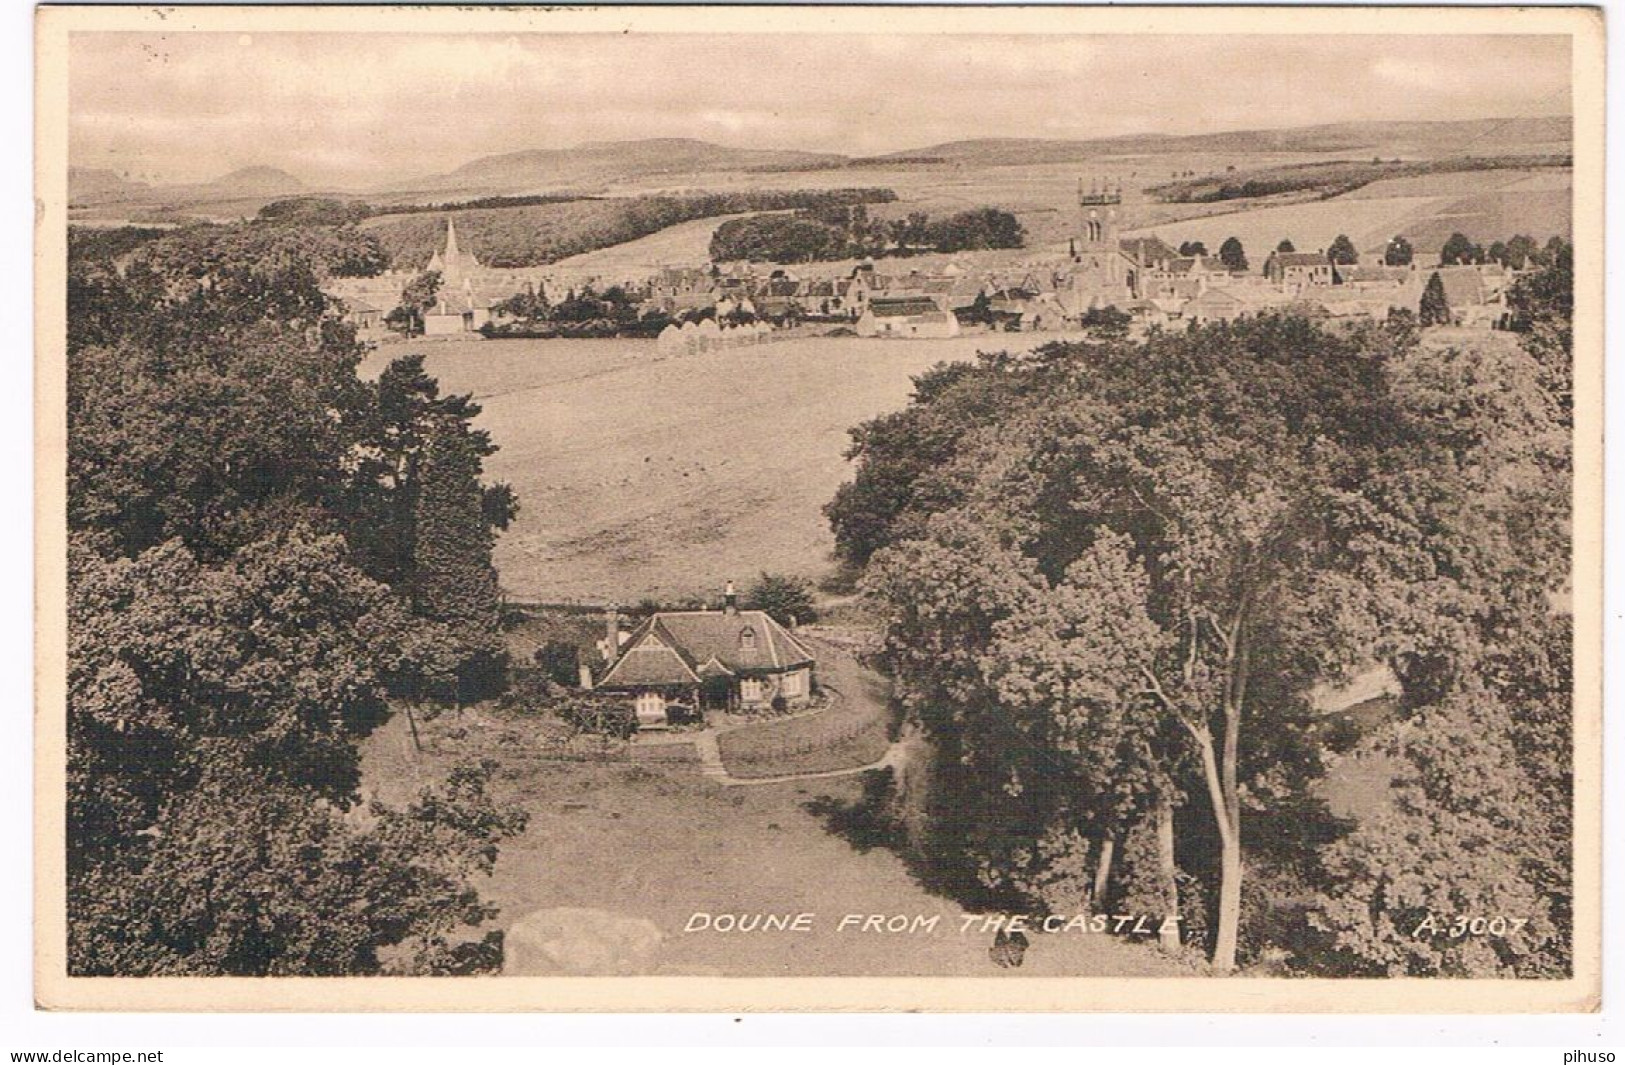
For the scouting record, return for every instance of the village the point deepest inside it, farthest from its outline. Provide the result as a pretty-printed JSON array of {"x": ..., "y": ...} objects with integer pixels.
[{"x": 1142, "y": 278}]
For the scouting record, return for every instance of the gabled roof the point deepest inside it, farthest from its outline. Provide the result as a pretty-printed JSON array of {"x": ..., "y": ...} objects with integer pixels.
[
  {"x": 1357, "y": 272},
  {"x": 1147, "y": 250},
  {"x": 648, "y": 661},
  {"x": 683, "y": 647},
  {"x": 903, "y": 307},
  {"x": 1299, "y": 258}
]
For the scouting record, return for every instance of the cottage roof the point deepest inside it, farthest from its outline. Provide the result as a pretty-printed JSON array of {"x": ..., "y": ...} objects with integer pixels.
[
  {"x": 902, "y": 307},
  {"x": 682, "y": 647},
  {"x": 648, "y": 661},
  {"x": 1299, "y": 258},
  {"x": 1147, "y": 250}
]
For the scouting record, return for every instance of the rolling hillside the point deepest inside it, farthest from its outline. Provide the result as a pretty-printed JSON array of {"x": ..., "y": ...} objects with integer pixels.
[
  {"x": 594, "y": 165},
  {"x": 642, "y": 476},
  {"x": 1424, "y": 139}
]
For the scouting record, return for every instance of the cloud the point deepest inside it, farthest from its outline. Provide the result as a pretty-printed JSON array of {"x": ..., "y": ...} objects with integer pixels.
[{"x": 354, "y": 108}]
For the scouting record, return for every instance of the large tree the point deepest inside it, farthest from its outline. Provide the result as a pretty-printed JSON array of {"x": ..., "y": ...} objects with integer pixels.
[
  {"x": 1398, "y": 252},
  {"x": 1233, "y": 256},
  {"x": 453, "y": 581},
  {"x": 1460, "y": 251},
  {"x": 1435, "y": 306},
  {"x": 229, "y": 643},
  {"x": 1214, "y": 458},
  {"x": 1343, "y": 252}
]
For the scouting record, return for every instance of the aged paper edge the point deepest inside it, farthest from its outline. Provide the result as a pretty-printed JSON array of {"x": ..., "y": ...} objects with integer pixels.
[{"x": 55, "y": 990}]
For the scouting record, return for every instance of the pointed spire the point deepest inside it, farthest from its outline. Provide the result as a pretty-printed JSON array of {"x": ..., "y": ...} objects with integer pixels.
[{"x": 451, "y": 241}]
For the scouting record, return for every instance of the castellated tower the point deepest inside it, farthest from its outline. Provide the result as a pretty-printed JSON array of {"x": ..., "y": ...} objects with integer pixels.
[
  {"x": 1101, "y": 204},
  {"x": 1101, "y": 274}
]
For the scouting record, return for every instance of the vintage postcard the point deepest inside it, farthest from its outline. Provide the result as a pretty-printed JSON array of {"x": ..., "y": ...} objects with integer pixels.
[{"x": 682, "y": 508}]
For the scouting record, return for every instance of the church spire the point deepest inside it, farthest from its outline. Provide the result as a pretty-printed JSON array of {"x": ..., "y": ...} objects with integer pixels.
[{"x": 451, "y": 242}]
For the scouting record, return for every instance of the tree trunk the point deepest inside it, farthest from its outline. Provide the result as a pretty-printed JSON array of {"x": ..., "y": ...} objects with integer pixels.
[
  {"x": 1224, "y": 945},
  {"x": 1168, "y": 871},
  {"x": 412, "y": 723},
  {"x": 1103, "y": 873},
  {"x": 1228, "y": 821}
]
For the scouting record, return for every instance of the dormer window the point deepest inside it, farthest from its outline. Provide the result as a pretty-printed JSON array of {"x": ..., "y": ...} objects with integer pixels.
[{"x": 747, "y": 638}]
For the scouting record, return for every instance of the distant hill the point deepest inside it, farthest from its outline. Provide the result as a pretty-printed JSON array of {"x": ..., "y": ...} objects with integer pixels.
[
  {"x": 1485, "y": 136},
  {"x": 250, "y": 181},
  {"x": 87, "y": 185},
  {"x": 593, "y": 164}
]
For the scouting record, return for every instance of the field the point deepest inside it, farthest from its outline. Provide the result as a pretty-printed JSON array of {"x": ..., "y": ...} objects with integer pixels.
[
  {"x": 642, "y": 476},
  {"x": 688, "y": 244},
  {"x": 665, "y": 844},
  {"x": 1487, "y": 206}
]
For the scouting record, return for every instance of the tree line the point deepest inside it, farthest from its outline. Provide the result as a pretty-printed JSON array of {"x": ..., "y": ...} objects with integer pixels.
[
  {"x": 512, "y": 237},
  {"x": 268, "y": 556},
  {"x": 850, "y": 232},
  {"x": 1112, "y": 572}
]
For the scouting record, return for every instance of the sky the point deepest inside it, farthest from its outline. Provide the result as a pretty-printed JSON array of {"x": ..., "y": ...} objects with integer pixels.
[{"x": 354, "y": 110}]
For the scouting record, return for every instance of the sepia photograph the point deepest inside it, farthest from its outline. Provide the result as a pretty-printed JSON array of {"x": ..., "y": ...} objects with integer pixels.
[{"x": 811, "y": 508}]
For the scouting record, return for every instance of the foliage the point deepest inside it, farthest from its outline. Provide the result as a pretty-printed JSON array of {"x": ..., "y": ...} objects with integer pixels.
[
  {"x": 1398, "y": 252},
  {"x": 1106, "y": 323},
  {"x": 540, "y": 233},
  {"x": 1542, "y": 310},
  {"x": 313, "y": 211},
  {"x": 903, "y": 459},
  {"x": 1193, "y": 248},
  {"x": 453, "y": 582},
  {"x": 1459, "y": 251},
  {"x": 608, "y": 716},
  {"x": 820, "y": 235},
  {"x": 1233, "y": 256},
  {"x": 786, "y": 599},
  {"x": 1286, "y": 247},
  {"x": 1435, "y": 307},
  {"x": 1342, "y": 252},
  {"x": 249, "y": 874},
  {"x": 230, "y": 642},
  {"x": 1329, "y": 179},
  {"x": 1128, "y": 572},
  {"x": 417, "y": 298}
]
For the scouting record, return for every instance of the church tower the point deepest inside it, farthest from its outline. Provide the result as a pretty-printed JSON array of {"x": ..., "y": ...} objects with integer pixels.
[
  {"x": 1101, "y": 274},
  {"x": 1101, "y": 205}
]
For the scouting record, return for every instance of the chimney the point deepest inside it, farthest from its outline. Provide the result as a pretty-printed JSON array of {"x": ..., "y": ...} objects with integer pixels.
[
  {"x": 584, "y": 672},
  {"x": 612, "y": 632},
  {"x": 730, "y": 601}
]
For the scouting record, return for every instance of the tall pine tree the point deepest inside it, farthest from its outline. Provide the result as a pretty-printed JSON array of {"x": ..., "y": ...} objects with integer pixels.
[
  {"x": 453, "y": 580},
  {"x": 1435, "y": 308}
]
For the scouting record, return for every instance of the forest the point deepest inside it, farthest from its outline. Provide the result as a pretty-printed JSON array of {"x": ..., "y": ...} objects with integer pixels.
[
  {"x": 849, "y": 232},
  {"x": 268, "y": 556},
  {"x": 1113, "y": 572},
  {"x": 518, "y": 236}
]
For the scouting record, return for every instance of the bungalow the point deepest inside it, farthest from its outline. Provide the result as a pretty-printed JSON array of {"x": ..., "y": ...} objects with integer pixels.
[
  {"x": 914, "y": 316},
  {"x": 682, "y": 663}
]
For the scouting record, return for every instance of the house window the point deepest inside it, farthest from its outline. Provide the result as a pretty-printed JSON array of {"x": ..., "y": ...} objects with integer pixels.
[
  {"x": 747, "y": 638},
  {"x": 750, "y": 690},
  {"x": 792, "y": 685}
]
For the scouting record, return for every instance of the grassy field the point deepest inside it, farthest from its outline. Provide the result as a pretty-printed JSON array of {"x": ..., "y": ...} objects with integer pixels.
[
  {"x": 665, "y": 844},
  {"x": 687, "y": 244},
  {"x": 851, "y": 732},
  {"x": 641, "y": 476},
  {"x": 1487, "y": 206}
]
